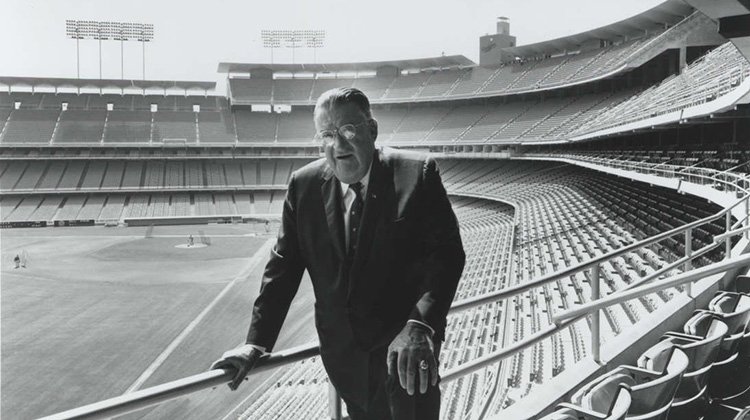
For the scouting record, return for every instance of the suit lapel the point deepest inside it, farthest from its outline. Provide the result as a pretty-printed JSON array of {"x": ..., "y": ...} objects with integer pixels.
[{"x": 331, "y": 194}]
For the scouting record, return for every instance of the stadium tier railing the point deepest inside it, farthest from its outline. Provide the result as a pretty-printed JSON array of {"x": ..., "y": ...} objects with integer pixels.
[
  {"x": 723, "y": 180},
  {"x": 739, "y": 229},
  {"x": 658, "y": 43}
]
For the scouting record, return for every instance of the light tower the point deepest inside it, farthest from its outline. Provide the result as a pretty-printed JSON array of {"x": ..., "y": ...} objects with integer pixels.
[
  {"x": 103, "y": 31},
  {"x": 293, "y": 38}
]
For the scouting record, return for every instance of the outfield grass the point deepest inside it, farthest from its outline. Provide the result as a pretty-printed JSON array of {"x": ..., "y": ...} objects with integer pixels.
[{"x": 96, "y": 306}]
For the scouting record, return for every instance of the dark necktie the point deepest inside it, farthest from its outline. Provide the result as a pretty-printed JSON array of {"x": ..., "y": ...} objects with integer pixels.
[{"x": 355, "y": 216}]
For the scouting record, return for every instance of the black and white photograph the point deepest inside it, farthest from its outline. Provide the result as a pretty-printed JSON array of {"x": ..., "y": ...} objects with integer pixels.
[{"x": 392, "y": 210}]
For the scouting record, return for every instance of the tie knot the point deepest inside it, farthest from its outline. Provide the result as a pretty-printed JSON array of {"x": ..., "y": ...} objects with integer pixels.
[{"x": 357, "y": 188}]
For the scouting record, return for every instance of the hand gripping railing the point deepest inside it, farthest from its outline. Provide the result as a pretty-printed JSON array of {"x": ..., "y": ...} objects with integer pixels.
[{"x": 151, "y": 396}]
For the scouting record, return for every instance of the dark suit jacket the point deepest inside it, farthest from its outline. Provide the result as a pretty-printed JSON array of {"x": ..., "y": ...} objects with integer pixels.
[{"x": 407, "y": 265}]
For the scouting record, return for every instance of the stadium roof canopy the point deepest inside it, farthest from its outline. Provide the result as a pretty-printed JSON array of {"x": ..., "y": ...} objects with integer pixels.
[
  {"x": 667, "y": 13},
  {"x": 53, "y": 82},
  {"x": 446, "y": 61}
]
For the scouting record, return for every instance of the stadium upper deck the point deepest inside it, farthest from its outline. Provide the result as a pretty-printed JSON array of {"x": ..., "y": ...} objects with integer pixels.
[
  {"x": 593, "y": 55},
  {"x": 555, "y": 93},
  {"x": 714, "y": 83}
]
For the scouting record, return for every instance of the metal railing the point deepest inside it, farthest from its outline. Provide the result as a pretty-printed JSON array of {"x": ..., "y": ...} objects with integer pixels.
[
  {"x": 721, "y": 180},
  {"x": 155, "y": 395}
]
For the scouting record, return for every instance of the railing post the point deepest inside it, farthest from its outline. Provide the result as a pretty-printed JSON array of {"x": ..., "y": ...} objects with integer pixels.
[
  {"x": 747, "y": 216},
  {"x": 728, "y": 240},
  {"x": 334, "y": 403},
  {"x": 595, "y": 316},
  {"x": 689, "y": 263}
]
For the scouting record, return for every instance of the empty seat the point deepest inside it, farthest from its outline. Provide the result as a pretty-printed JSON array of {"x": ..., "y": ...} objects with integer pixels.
[
  {"x": 607, "y": 399},
  {"x": 701, "y": 345},
  {"x": 653, "y": 385},
  {"x": 734, "y": 310}
]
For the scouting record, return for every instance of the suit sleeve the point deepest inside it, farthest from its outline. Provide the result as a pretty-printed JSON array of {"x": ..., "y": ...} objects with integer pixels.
[
  {"x": 281, "y": 279},
  {"x": 444, "y": 256}
]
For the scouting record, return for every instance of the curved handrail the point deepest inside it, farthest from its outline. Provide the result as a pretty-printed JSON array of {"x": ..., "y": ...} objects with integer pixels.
[{"x": 164, "y": 392}]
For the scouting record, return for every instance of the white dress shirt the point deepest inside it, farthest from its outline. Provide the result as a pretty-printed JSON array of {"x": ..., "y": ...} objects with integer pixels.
[{"x": 348, "y": 196}]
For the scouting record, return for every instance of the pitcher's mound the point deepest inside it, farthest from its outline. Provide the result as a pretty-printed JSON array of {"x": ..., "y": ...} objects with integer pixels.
[{"x": 194, "y": 246}]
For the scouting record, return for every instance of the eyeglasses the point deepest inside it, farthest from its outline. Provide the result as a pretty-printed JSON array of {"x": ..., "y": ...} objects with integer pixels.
[{"x": 346, "y": 131}]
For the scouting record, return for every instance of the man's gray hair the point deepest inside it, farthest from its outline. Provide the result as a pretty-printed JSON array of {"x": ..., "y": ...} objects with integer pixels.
[{"x": 342, "y": 96}]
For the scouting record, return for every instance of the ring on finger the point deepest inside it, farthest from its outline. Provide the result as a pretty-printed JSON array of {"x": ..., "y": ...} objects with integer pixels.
[{"x": 423, "y": 365}]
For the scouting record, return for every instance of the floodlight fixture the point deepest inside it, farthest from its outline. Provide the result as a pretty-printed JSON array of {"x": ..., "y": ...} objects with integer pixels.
[
  {"x": 292, "y": 38},
  {"x": 106, "y": 30}
]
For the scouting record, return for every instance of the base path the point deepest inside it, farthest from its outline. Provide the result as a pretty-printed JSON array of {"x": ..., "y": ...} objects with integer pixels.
[{"x": 256, "y": 259}]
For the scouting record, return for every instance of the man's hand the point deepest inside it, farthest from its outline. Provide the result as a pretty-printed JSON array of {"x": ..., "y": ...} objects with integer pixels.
[
  {"x": 408, "y": 354},
  {"x": 242, "y": 359}
]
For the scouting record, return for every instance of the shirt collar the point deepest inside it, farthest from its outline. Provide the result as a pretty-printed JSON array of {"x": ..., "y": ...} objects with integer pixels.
[{"x": 364, "y": 181}]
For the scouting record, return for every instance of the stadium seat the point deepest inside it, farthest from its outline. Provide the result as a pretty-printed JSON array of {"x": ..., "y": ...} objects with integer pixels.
[
  {"x": 654, "y": 385},
  {"x": 609, "y": 399},
  {"x": 701, "y": 347},
  {"x": 734, "y": 309}
]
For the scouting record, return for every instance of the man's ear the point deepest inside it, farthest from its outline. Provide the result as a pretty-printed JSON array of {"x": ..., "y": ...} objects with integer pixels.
[{"x": 373, "y": 128}]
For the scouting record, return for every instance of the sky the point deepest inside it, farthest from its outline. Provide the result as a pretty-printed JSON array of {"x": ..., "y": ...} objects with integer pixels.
[{"x": 192, "y": 37}]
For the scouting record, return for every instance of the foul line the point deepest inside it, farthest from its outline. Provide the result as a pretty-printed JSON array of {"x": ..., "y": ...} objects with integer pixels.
[{"x": 254, "y": 261}]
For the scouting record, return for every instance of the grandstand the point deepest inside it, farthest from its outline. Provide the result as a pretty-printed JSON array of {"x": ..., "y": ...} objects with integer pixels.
[{"x": 578, "y": 149}]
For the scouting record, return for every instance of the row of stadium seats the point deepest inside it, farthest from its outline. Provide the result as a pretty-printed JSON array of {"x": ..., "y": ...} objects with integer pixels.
[
  {"x": 558, "y": 226},
  {"x": 97, "y": 126},
  {"x": 486, "y": 229},
  {"x": 565, "y": 215},
  {"x": 731, "y": 157},
  {"x": 527, "y": 75},
  {"x": 689, "y": 374},
  {"x": 705, "y": 80},
  {"x": 146, "y": 153},
  {"x": 719, "y": 72},
  {"x": 94, "y": 102},
  {"x": 106, "y": 175},
  {"x": 546, "y": 119},
  {"x": 115, "y": 207}
]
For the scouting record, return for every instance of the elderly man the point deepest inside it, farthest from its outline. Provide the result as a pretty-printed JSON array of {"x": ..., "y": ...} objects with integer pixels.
[{"x": 377, "y": 235}]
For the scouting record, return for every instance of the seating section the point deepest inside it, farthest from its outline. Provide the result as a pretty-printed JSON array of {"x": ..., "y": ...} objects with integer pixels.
[
  {"x": 560, "y": 219},
  {"x": 41, "y": 176},
  {"x": 175, "y": 126},
  {"x": 523, "y": 76},
  {"x": 29, "y": 126},
  {"x": 40, "y": 119},
  {"x": 697, "y": 373},
  {"x": 712, "y": 76},
  {"x": 128, "y": 127},
  {"x": 446, "y": 124},
  {"x": 77, "y": 126},
  {"x": 216, "y": 127},
  {"x": 708, "y": 78}
]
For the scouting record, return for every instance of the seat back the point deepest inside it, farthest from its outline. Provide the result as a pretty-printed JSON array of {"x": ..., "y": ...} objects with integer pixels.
[
  {"x": 617, "y": 408},
  {"x": 656, "y": 389},
  {"x": 705, "y": 331},
  {"x": 734, "y": 309},
  {"x": 604, "y": 394}
]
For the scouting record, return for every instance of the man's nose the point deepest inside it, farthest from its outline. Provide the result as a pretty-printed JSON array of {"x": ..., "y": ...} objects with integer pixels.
[{"x": 340, "y": 143}]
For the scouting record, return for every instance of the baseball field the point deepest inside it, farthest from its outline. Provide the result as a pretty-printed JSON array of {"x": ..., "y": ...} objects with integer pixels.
[{"x": 101, "y": 311}]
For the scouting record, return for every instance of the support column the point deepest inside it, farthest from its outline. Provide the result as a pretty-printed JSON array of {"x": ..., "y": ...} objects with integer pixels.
[
  {"x": 334, "y": 403},
  {"x": 689, "y": 263},
  {"x": 595, "y": 316}
]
